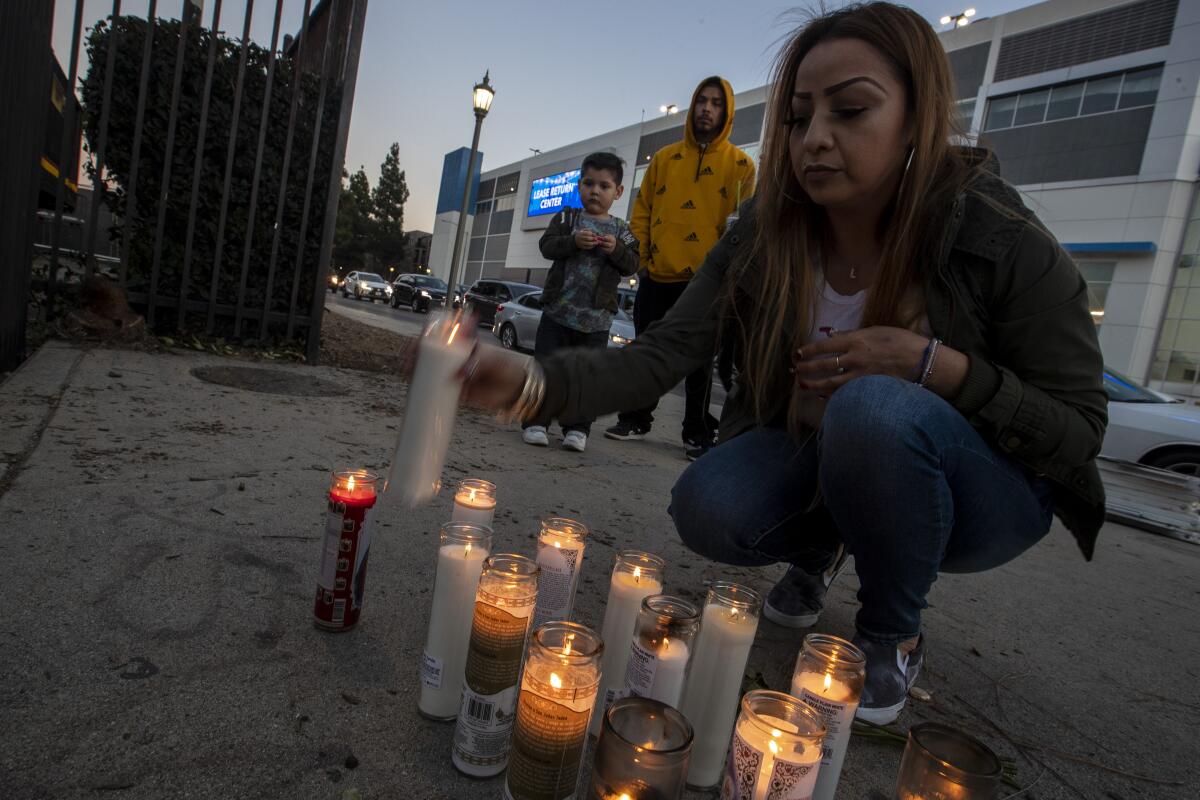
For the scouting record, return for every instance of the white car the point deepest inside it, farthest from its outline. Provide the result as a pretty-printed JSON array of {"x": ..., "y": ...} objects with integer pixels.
[
  {"x": 517, "y": 321},
  {"x": 1149, "y": 427}
]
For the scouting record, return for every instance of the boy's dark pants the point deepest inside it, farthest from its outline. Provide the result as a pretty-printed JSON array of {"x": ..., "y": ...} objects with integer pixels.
[
  {"x": 654, "y": 300},
  {"x": 552, "y": 336}
]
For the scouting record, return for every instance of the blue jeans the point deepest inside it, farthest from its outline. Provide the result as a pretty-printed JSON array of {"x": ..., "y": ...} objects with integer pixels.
[
  {"x": 554, "y": 336},
  {"x": 905, "y": 483}
]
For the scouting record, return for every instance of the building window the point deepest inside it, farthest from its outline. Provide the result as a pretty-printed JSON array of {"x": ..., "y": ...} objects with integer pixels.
[
  {"x": 1099, "y": 275},
  {"x": 965, "y": 112},
  {"x": 1177, "y": 358},
  {"x": 1133, "y": 89}
]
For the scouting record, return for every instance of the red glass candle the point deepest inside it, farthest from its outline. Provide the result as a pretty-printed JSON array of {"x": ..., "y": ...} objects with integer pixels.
[{"x": 341, "y": 580}]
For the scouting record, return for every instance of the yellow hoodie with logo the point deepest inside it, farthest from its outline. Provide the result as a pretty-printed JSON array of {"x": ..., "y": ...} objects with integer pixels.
[{"x": 687, "y": 192}]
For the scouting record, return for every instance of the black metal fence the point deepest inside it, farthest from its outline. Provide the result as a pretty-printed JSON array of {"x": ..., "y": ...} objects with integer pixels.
[{"x": 216, "y": 164}]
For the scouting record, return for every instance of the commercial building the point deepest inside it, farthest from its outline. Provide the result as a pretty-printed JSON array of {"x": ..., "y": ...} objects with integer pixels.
[{"x": 1092, "y": 108}]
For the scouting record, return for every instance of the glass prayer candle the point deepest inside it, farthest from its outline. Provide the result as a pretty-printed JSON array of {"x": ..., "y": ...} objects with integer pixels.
[
  {"x": 941, "y": 763},
  {"x": 430, "y": 409},
  {"x": 643, "y": 752},
  {"x": 829, "y": 677},
  {"x": 662, "y": 645},
  {"x": 341, "y": 579},
  {"x": 560, "y": 556},
  {"x": 776, "y": 749},
  {"x": 710, "y": 699},
  {"x": 635, "y": 576},
  {"x": 558, "y": 691},
  {"x": 475, "y": 501},
  {"x": 503, "y": 608},
  {"x": 461, "y": 552}
]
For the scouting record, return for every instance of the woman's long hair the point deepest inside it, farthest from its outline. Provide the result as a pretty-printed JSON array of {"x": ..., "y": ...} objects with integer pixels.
[{"x": 773, "y": 290}]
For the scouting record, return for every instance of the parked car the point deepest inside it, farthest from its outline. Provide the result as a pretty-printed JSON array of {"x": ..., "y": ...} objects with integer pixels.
[
  {"x": 485, "y": 296},
  {"x": 516, "y": 324},
  {"x": 366, "y": 285},
  {"x": 418, "y": 292},
  {"x": 1149, "y": 427}
]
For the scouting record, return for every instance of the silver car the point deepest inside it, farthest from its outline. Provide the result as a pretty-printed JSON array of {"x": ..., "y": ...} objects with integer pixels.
[
  {"x": 517, "y": 321},
  {"x": 368, "y": 285},
  {"x": 1149, "y": 427}
]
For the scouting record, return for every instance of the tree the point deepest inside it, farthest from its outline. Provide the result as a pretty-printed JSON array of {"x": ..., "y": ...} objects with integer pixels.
[
  {"x": 388, "y": 200},
  {"x": 355, "y": 234}
]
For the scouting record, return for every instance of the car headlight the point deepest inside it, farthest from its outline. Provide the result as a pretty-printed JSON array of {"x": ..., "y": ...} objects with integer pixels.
[
  {"x": 620, "y": 340},
  {"x": 423, "y": 293},
  {"x": 387, "y": 289}
]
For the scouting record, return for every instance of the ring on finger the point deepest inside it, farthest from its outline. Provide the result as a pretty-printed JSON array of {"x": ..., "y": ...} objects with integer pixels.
[{"x": 837, "y": 362}]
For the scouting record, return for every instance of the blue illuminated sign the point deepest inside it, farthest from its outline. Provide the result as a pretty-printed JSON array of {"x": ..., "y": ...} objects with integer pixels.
[{"x": 554, "y": 193}]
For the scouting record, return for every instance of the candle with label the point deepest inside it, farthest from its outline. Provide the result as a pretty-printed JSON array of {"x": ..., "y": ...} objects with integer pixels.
[
  {"x": 661, "y": 649},
  {"x": 643, "y": 752},
  {"x": 342, "y": 576},
  {"x": 461, "y": 552},
  {"x": 429, "y": 412},
  {"x": 776, "y": 749},
  {"x": 941, "y": 763},
  {"x": 710, "y": 700},
  {"x": 636, "y": 575},
  {"x": 829, "y": 676},
  {"x": 475, "y": 501},
  {"x": 558, "y": 691},
  {"x": 560, "y": 557},
  {"x": 503, "y": 608}
]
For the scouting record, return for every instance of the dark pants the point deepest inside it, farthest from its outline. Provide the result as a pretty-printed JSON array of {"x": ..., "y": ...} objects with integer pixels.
[
  {"x": 906, "y": 483},
  {"x": 551, "y": 336},
  {"x": 654, "y": 299}
]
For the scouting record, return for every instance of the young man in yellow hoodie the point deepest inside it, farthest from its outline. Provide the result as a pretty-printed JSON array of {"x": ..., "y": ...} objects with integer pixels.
[{"x": 689, "y": 190}]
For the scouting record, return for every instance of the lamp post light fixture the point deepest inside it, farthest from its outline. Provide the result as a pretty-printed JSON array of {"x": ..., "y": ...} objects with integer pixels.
[
  {"x": 959, "y": 20},
  {"x": 481, "y": 99},
  {"x": 669, "y": 109}
]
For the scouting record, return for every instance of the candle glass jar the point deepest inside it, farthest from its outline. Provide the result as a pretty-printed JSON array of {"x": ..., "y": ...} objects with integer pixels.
[
  {"x": 558, "y": 692},
  {"x": 728, "y": 624},
  {"x": 560, "y": 557},
  {"x": 503, "y": 608},
  {"x": 941, "y": 763},
  {"x": 461, "y": 551},
  {"x": 776, "y": 749},
  {"x": 829, "y": 676},
  {"x": 475, "y": 501},
  {"x": 342, "y": 576},
  {"x": 643, "y": 752},
  {"x": 635, "y": 576},
  {"x": 663, "y": 640}
]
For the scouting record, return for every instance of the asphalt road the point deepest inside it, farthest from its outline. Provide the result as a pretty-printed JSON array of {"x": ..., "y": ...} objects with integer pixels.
[{"x": 404, "y": 321}]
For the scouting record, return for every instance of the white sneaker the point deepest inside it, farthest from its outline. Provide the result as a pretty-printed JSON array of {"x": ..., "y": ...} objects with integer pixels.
[
  {"x": 535, "y": 435},
  {"x": 575, "y": 440}
]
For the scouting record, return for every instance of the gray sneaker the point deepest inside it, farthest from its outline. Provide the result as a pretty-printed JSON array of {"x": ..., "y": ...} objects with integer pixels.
[
  {"x": 796, "y": 601},
  {"x": 890, "y": 674}
]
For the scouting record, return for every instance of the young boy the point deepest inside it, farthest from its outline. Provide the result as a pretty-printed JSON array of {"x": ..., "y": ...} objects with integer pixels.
[{"x": 591, "y": 251}]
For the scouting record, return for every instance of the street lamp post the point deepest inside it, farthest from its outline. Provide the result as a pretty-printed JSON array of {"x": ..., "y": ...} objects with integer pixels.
[
  {"x": 482, "y": 100},
  {"x": 958, "y": 20}
]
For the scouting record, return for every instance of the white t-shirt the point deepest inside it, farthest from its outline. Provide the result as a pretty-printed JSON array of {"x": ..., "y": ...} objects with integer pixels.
[{"x": 833, "y": 311}]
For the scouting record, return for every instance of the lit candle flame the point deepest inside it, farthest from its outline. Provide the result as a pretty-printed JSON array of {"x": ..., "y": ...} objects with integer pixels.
[
  {"x": 774, "y": 747},
  {"x": 350, "y": 484},
  {"x": 558, "y": 544},
  {"x": 624, "y": 796},
  {"x": 567, "y": 645},
  {"x": 453, "y": 332},
  {"x": 637, "y": 574},
  {"x": 666, "y": 644},
  {"x": 555, "y": 681},
  {"x": 467, "y": 550},
  {"x": 828, "y": 681}
]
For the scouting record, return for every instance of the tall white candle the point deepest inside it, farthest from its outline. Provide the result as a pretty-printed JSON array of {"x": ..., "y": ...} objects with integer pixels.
[
  {"x": 560, "y": 557},
  {"x": 829, "y": 677},
  {"x": 636, "y": 576},
  {"x": 475, "y": 501},
  {"x": 710, "y": 701},
  {"x": 460, "y": 562},
  {"x": 430, "y": 410}
]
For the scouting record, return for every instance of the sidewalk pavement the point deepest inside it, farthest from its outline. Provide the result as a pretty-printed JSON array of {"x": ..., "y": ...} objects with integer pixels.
[{"x": 161, "y": 541}]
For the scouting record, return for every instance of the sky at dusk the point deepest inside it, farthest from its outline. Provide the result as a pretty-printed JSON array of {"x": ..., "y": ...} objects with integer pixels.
[{"x": 563, "y": 71}]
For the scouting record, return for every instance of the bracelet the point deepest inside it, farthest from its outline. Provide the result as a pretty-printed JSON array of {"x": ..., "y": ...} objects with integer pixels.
[
  {"x": 927, "y": 372},
  {"x": 921, "y": 365},
  {"x": 532, "y": 393}
]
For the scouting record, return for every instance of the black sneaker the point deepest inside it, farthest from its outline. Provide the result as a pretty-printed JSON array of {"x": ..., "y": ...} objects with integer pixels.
[
  {"x": 625, "y": 431},
  {"x": 693, "y": 453},
  {"x": 797, "y": 600},
  {"x": 890, "y": 674}
]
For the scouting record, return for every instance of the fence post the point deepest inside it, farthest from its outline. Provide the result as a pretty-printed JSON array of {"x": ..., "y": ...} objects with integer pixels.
[{"x": 24, "y": 95}]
